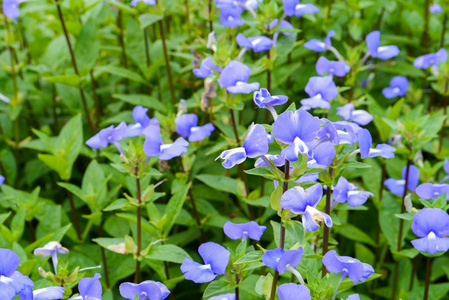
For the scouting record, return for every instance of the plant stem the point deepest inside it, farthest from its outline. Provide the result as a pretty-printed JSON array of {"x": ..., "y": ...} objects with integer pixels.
[
  {"x": 96, "y": 99},
  {"x": 167, "y": 64},
  {"x": 401, "y": 228},
  {"x": 440, "y": 145},
  {"x": 74, "y": 215},
  {"x": 326, "y": 229},
  {"x": 211, "y": 26},
  {"x": 425, "y": 39},
  {"x": 139, "y": 230},
  {"x": 443, "y": 31},
  {"x": 103, "y": 256},
  {"x": 237, "y": 296},
  {"x": 75, "y": 67},
  {"x": 426, "y": 287},
  {"x": 282, "y": 235},
  {"x": 121, "y": 41}
]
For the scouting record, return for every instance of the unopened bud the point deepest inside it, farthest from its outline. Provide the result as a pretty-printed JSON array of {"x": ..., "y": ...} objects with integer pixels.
[
  {"x": 211, "y": 41},
  {"x": 408, "y": 203}
]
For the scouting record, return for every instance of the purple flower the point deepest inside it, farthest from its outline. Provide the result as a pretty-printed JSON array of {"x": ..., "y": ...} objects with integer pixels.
[
  {"x": 263, "y": 99},
  {"x": 52, "y": 248},
  {"x": 283, "y": 24},
  {"x": 431, "y": 225},
  {"x": 148, "y": 289},
  {"x": 255, "y": 144},
  {"x": 348, "y": 266},
  {"x": 230, "y": 296},
  {"x": 206, "y": 68},
  {"x": 365, "y": 142},
  {"x": 383, "y": 52},
  {"x": 278, "y": 161},
  {"x": 431, "y": 59},
  {"x": 142, "y": 121},
  {"x": 338, "y": 68},
  {"x": 303, "y": 201},
  {"x": 12, "y": 282},
  {"x": 348, "y": 113},
  {"x": 282, "y": 260},
  {"x": 345, "y": 191},
  {"x": 435, "y": 8},
  {"x": 257, "y": 43},
  {"x": 146, "y": 2},
  {"x": 2, "y": 179},
  {"x": 353, "y": 297},
  {"x": 108, "y": 135},
  {"x": 89, "y": 288},
  {"x": 230, "y": 16},
  {"x": 398, "y": 87},
  {"x": 320, "y": 46},
  {"x": 292, "y": 291},
  {"x": 234, "y": 78},
  {"x": 396, "y": 186},
  {"x": 11, "y": 9},
  {"x": 186, "y": 127},
  {"x": 427, "y": 191},
  {"x": 242, "y": 231},
  {"x": 54, "y": 292},
  {"x": 215, "y": 257},
  {"x": 292, "y": 7},
  {"x": 154, "y": 145},
  {"x": 321, "y": 90},
  {"x": 297, "y": 129}
]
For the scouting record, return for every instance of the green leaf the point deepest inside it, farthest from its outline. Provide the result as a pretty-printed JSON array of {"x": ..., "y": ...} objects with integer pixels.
[
  {"x": 18, "y": 223},
  {"x": 170, "y": 253},
  {"x": 174, "y": 207},
  {"x": 217, "y": 287},
  {"x": 141, "y": 99},
  {"x": 70, "y": 80},
  {"x": 87, "y": 48},
  {"x": 121, "y": 72},
  {"x": 148, "y": 19},
  {"x": 220, "y": 183},
  {"x": 253, "y": 256},
  {"x": 351, "y": 232},
  {"x": 356, "y": 165},
  {"x": 265, "y": 172},
  {"x": 275, "y": 199},
  {"x": 58, "y": 164}
]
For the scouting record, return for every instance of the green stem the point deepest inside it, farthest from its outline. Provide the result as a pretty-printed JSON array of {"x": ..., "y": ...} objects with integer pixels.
[
  {"x": 139, "y": 231},
  {"x": 103, "y": 257}
]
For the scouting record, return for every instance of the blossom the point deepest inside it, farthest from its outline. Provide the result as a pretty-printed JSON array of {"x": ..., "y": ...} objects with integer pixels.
[
  {"x": 89, "y": 288},
  {"x": 230, "y": 16},
  {"x": 365, "y": 143},
  {"x": 398, "y": 87},
  {"x": 278, "y": 160},
  {"x": 383, "y": 52},
  {"x": 263, "y": 99},
  {"x": 146, "y": 2},
  {"x": 11, "y": 8},
  {"x": 304, "y": 201},
  {"x": 320, "y": 46},
  {"x": 282, "y": 260},
  {"x": 427, "y": 191},
  {"x": 435, "y": 8},
  {"x": 186, "y": 127},
  {"x": 257, "y": 43},
  {"x": 298, "y": 130},
  {"x": 51, "y": 248},
  {"x": 348, "y": 113},
  {"x": 54, "y": 292},
  {"x": 108, "y": 135},
  {"x": 348, "y": 266},
  {"x": 234, "y": 78},
  {"x": 321, "y": 90},
  {"x": 206, "y": 68},
  {"x": 154, "y": 145},
  {"x": 215, "y": 257},
  {"x": 431, "y": 225},
  {"x": 12, "y": 282},
  {"x": 2, "y": 179},
  {"x": 396, "y": 186},
  {"x": 338, "y": 68},
  {"x": 142, "y": 121},
  {"x": 230, "y": 296},
  {"x": 292, "y": 291},
  {"x": 255, "y": 144},
  {"x": 431, "y": 59},
  {"x": 292, "y": 7},
  {"x": 345, "y": 191},
  {"x": 283, "y": 24},
  {"x": 242, "y": 231},
  {"x": 148, "y": 289},
  {"x": 353, "y": 297}
]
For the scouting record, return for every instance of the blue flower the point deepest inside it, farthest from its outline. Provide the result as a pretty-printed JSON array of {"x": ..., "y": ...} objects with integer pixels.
[
  {"x": 230, "y": 296},
  {"x": 435, "y": 8},
  {"x": 297, "y": 129},
  {"x": 427, "y": 191},
  {"x": 431, "y": 59},
  {"x": 54, "y": 292},
  {"x": 293, "y": 291},
  {"x": 154, "y": 145},
  {"x": 51, "y": 248},
  {"x": 206, "y": 68},
  {"x": 242, "y": 231},
  {"x": 383, "y": 52},
  {"x": 89, "y": 288},
  {"x": 230, "y": 16},
  {"x": 282, "y": 260},
  {"x": 12, "y": 282},
  {"x": 283, "y": 24},
  {"x": 148, "y": 289},
  {"x": 303, "y": 201},
  {"x": 146, "y": 2},
  {"x": 263, "y": 99},
  {"x": 2, "y": 179},
  {"x": 320, "y": 46},
  {"x": 431, "y": 225},
  {"x": 348, "y": 113},
  {"x": 278, "y": 160},
  {"x": 338, "y": 68},
  {"x": 348, "y": 266},
  {"x": 142, "y": 121},
  {"x": 398, "y": 87},
  {"x": 186, "y": 127},
  {"x": 396, "y": 186},
  {"x": 321, "y": 90},
  {"x": 255, "y": 144},
  {"x": 108, "y": 135},
  {"x": 292, "y": 7},
  {"x": 11, "y": 8},
  {"x": 365, "y": 143},
  {"x": 234, "y": 78},
  {"x": 215, "y": 257},
  {"x": 257, "y": 43},
  {"x": 345, "y": 191},
  {"x": 353, "y": 297}
]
